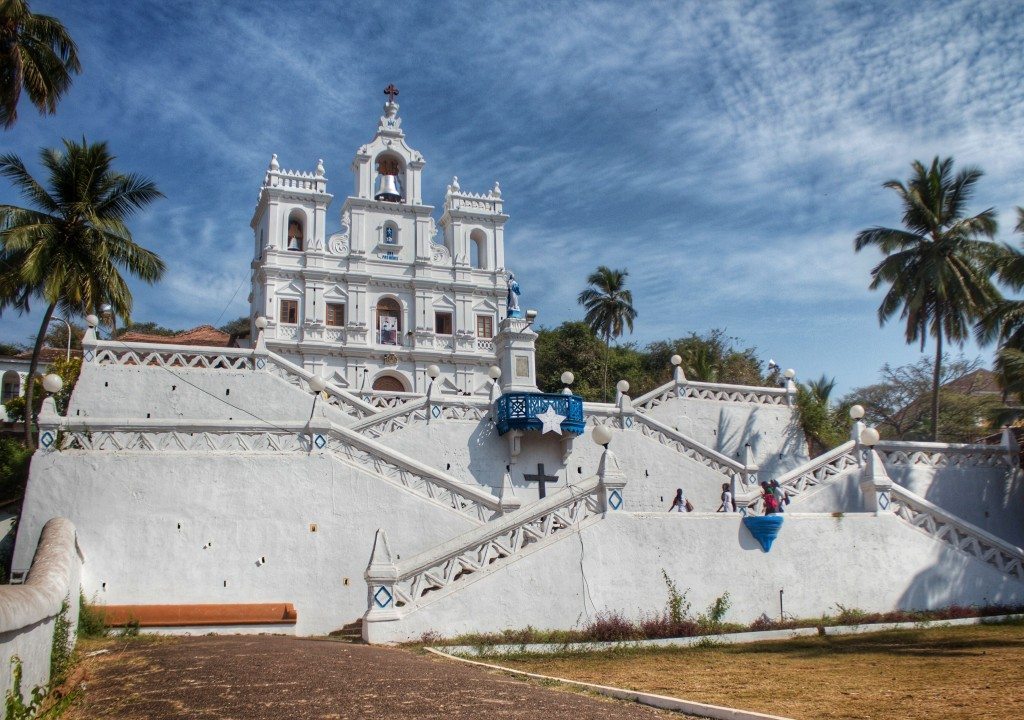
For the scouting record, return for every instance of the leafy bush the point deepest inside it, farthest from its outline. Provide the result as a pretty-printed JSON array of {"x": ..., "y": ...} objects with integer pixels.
[
  {"x": 90, "y": 619},
  {"x": 14, "y": 463},
  {"x": 63, "y": 646},
  {"x": 678, "y": 607},
  {"x": 712, "y": 619},
  {"x": 612, "y": 626}
]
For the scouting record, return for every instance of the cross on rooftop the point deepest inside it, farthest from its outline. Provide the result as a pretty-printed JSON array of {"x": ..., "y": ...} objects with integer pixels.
[
  {"x": 391, "y": 91},
  {"x": 541, "y": 479}
]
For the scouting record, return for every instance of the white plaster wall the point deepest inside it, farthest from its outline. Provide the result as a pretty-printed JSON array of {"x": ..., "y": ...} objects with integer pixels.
[
  {"x": 861, "y": 561},
  {"x": 474, "y": 453},
  {"x": 130, "y": 391},
  {"x": 28, "y": 612},
  {"x": 991, "y": 498},
  {"x": 771, "y": 430},
  {"x": 241, "y": 507}
]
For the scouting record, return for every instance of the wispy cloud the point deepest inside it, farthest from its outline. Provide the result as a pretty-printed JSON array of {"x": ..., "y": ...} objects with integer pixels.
[{"x": 726, "y": 153}]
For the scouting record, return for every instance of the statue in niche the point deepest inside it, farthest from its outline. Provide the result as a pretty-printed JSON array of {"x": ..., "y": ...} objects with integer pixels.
[
  {"x": 389, "y": 235},
  {"x": 294, "y": 235},
  {"x": 513, "y": 297}
]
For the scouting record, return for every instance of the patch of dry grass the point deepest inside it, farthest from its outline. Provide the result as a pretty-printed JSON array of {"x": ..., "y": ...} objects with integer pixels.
[{"x": 948, "y": 673}]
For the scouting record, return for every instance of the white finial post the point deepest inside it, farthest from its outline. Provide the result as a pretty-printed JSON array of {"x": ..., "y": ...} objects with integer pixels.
[
  {"x": 496, "y": 192},
  {"x": 876, "y": 484},
  {"x": 274, "y": 165},
  {"x": 507, "y": 499},
  {"x": 320, "y": 168},
  {"x": 381, "y": 575}
]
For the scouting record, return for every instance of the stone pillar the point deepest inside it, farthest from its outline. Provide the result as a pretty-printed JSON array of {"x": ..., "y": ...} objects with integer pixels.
[
  {"x": 381, "y": 575},
  {"x": 1012, "y": 448},
  {"x": 876, "y": 485},
  {"x": 514, "y": 346},
  {"x": 626, "y": 412},
  {"x": 49, "y": 424},
  {"x": 612, "y": 482},
  {"x": 507, "y": 493},
  {"x": 743, "y": 492}
]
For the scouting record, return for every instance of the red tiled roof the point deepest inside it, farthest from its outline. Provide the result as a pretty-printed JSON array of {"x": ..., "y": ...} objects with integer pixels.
[
  {"x": 979, "y": 382},
  {"x": 202, "y": 335},
  {"x": 49, "y": 354}
]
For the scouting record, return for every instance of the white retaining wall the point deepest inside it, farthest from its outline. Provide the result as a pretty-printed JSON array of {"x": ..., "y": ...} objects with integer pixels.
[
  {"x": 135, "y": 391},
  {"x": 861, "y": 561},
  {"x": 476, "y": 454},
  {"x": 771, "y": 430},
  {"x": 28, "y": 612},
  {"x": 185, "y": 528}
]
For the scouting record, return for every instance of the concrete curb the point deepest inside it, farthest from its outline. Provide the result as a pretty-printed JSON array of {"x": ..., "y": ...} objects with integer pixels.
[
  {"x": 923, "y": 624},
  {"x": 549, "y": 648},
  {"x": 659, "y": 701},
  {"x": 721, "y": 639}
]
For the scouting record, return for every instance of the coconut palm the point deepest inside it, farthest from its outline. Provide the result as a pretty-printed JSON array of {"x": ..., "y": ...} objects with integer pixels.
[
  {"x": 70, "y": 247},
  {"x": 938, "y": 268},
  {"x": 609, "y": 308},
  {"x": 37, "y": 54},
  {"x": 821, "y": 389}
]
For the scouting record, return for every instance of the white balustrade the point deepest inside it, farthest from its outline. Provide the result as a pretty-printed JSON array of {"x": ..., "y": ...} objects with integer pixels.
[
  {"x": 719, "y": 392},
  {"x": 115, "y": 352},
  {"x": 937, "y": 523},
  {"x": 821, "y": 469},
  {"x": 437, "y": 571}
]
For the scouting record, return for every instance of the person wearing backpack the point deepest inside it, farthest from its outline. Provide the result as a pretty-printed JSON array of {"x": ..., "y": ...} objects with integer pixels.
[{"x": 771, "y": 505}]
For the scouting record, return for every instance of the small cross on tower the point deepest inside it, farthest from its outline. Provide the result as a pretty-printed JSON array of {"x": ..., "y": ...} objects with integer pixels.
[
  {"x": 541, "y": 479},
  {"x": 391, "y": 91}
]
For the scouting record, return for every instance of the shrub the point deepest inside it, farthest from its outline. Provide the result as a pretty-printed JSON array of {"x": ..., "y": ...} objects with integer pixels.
[
  {"x": 610, "y": 626},
  {"x": 14, "y": 463},
  {"x": 90, "y": 619},
  {"x": 678, "y": 607},
  {"x": 63, "y": 646},
  {"x": 712, "y": 619}
]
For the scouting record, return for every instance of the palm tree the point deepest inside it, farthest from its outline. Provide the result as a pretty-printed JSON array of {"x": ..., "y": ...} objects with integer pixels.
[
  {"x": 937, "y": 268},
  {"x": 37, "y": 54},
  {"x": 609, "y": 308},
  {"x": 821, "y": 389},
  {"x": 70, "y": 247},
  {"x": 1004, "y": 321}
]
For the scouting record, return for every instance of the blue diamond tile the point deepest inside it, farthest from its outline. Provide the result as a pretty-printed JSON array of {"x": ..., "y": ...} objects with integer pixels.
[
  {"x": 435, "y": 411},
  {"x": 320, "y": 441},
  {"x": 89, "y": 356},
  {"x": 629, "y": 422},
  {"x": 615, "y": 500},
  {"x": 46, "y": 440},
  {"x": 261, "y": 363},
  {"x": 382, "y": 597},
  {"x": 883, "y": 501}
]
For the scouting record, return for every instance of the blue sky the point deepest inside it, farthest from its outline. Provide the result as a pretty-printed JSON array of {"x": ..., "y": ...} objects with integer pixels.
[{"x": 725, "y": 153}]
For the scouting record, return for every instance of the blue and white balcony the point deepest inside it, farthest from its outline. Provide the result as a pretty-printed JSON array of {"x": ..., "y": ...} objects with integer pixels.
[{"x": 537, "y": 411}]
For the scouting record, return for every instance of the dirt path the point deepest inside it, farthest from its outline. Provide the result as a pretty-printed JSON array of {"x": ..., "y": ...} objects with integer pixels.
[{"x": 263, "y": 677}]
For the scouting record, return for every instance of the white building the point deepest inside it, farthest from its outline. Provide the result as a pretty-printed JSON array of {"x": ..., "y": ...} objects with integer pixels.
[{"x": 372, "y": 306}]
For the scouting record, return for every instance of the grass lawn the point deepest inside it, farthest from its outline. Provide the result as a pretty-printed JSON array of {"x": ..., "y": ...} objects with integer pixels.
[{"x": 945, "y": 673}]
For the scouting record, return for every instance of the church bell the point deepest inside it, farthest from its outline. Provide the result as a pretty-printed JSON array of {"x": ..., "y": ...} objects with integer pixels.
[{"x": 387, "y": 189}]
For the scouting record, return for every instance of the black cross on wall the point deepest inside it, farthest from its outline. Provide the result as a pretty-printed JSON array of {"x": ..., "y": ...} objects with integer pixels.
[{"x": 541, "y": 479}]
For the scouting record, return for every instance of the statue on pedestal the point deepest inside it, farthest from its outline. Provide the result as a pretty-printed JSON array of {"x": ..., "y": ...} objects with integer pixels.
[{"x": 513, "y": 297}]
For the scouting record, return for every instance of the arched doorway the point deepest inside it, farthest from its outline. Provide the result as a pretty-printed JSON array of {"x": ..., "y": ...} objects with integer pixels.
[{"x": 388, "y": 383}]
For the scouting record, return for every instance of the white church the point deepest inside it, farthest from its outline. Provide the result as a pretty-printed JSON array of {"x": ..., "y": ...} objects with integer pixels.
[
  {"x": 381, "y": 459},
  {"x": 373, "y": 306}
]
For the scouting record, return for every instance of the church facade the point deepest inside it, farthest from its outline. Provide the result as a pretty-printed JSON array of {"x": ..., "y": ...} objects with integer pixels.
[{"x": 395, "y": 291}]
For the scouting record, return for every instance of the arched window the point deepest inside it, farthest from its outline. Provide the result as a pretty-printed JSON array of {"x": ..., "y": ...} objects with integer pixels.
[
  {"x": 478, "y": 248},
  {"x": 389, "y": 235},
  {"x": 390, "y": 181},
  {"x": 389, "y": 322},
  {"x": 11, "y": 387},
  {"x": 296, "y": 231}
]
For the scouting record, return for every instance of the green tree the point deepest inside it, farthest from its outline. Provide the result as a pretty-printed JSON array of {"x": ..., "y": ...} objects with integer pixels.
[
  {"x": 37, "y": 55},
  {"x": 938, "y": 268},
  {"x": 69, "y": 248},
  {"x": 150, "y": 328},
  {"x": 712, "y": 357},
  {"x": 899, "y": 404},
  {"x": 237, "y": 328},
  {"x": 822, "y": 388},
  {"x": 609, "y": 308}
]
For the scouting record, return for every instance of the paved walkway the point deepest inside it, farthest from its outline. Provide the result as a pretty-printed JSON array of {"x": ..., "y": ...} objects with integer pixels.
[{"x": 271, "y": 677}]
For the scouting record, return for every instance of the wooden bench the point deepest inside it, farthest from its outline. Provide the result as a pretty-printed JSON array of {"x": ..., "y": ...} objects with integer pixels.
[{"x": 199, "y": 615}]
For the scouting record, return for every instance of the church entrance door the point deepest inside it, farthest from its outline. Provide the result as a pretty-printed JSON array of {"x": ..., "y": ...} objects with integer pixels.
[{"x": 387, "y": 383}]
